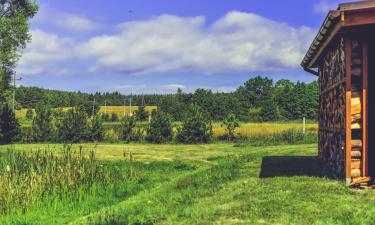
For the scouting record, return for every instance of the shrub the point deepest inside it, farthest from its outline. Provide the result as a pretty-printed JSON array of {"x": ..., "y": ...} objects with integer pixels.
[
  {"x": 292, "y": 136},
  {"x": 111, "y": 135},
  {"x": 141, "y": 114},
  {"x": 231, "y": 123},
  {"x": 114, "y": 117},
  {"x": 73, "y": 127},
  {"x": 197, "y": 128},
  {"x": 29, "y": 114},
  {"x": 42, "y": 129},
  {"x": 161, "y": 128},
  {"x": 106, "y": 117},
  {"x": 96, "y": 129},
  {"x": 9, "y": 126},
  {"x": 127, "y": 125}
]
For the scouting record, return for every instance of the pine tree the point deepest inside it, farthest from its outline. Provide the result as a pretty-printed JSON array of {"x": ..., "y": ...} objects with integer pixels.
[
  {"x": 42, "y": 124},
  {"x": 161, "y": 128},
  {"x": 96, "y": 129},
  {"x": 9, "y": 126}
]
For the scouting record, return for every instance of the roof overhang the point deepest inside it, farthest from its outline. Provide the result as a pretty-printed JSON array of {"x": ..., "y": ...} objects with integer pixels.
[{"x": 347, "y": 15}]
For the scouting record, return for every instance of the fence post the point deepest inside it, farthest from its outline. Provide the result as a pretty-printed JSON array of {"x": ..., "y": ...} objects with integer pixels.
[{"x": 304, "y": 125}]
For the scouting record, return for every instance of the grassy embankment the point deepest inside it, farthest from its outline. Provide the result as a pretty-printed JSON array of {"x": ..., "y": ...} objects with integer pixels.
[{"x": 209, "y": 184}]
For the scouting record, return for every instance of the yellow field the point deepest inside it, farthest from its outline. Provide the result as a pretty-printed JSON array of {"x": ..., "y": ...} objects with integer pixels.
[
  {"x": 253, "y": 129},
  {"x": 119, "y": 110}
]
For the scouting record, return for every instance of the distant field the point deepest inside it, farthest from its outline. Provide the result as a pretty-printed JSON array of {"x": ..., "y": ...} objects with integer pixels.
[{"x": 119, "y": 110}]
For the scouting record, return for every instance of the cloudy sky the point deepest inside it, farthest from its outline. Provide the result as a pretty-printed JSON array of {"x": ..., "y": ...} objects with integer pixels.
[{"x": 157, "y": 46}]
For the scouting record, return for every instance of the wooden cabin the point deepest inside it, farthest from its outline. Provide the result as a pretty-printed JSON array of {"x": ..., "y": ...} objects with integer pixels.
[{"x": 342, "y": 55}]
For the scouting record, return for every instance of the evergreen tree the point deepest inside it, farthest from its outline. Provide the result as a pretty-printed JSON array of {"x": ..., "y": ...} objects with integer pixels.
[
  {"x": 42, "y": 129},
  {"x": 161, "y": 128},
  {"x": 96, "y": 129},
  {"x": 73, "y": 126},
  {"x": 128, "y": 124},
  {"x": 9, "y": 126},
  {"x": 196, "y": 128},
  {"x": 141, "y": 114}
]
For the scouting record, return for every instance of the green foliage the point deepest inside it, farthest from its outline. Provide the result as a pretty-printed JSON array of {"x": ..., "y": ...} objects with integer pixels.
[
  {"x": 196, "y": 128},
  {"x": 14, "y": 30},
  {"x": 42, "y": 128},
  {"x": 91, "y": 108},
  {"x": 141, "y": 114},
  {"x": 160, "y": 129},
  {"x": 114, "y": 117},
  {"x": 29, "y": 114},
  {"x": 231, "y": 123},
  {"x": 73, "y": 126},
  {"x": 269, "y": 110},
  {"x": 128, "y": 124},
  {"x": 9, "y": 126},
  {"x": 96, "y": 129}
]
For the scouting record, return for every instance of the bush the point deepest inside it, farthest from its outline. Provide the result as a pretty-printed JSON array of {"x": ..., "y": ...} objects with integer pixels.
[
  {"x": 73, "y": 127},
  {"x": 42, "y": 129},
  {"x": 161, "y": 128},
  {"x": 197, "y": 128},
  {"x": 29, "y": 114},
  {"x": 292, "y": 136},
  {"x": 114, "y": 117},
  {"x": 106, "y": 117},
  {"x": 127, "y": 125},
  {"x": 141, "y": 114},
  {"x": 231, "y": 123},
  {"x": 96, "y": 129},
  {"x": 9, "y": 126},
  {"x": 111, "y": 135}
]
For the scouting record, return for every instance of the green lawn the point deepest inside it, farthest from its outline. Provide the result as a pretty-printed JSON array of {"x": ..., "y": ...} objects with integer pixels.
[{"x": 212, "y": 184}]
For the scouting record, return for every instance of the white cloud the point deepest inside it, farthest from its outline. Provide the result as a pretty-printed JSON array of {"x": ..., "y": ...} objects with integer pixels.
[
  {"x": 173, "y": 87},
  {"x": 76, "y": 23},
  {"x": 44, "y": 53},
  {"x": 67, "y": 21},
  {"x": 237, "y": 42}
]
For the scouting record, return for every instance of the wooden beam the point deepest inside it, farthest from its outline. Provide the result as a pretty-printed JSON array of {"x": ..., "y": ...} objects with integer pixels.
[
  {"x": 364, "y": 109},
  {"x": 359, "y": 18},
  {"x": 348, "y": 95}
]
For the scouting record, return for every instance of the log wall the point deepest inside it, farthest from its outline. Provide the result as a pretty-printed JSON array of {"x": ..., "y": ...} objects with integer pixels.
[{"x": 332, "y": 114}]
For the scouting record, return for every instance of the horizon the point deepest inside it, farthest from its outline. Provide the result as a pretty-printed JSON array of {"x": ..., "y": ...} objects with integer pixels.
[{"x": 141, "y": 48}]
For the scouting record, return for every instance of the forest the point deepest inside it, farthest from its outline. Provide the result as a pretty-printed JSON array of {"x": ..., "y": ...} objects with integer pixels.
[{"x": 258, "y": 99}]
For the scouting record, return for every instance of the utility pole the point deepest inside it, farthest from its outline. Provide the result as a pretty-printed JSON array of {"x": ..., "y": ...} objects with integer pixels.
[
  {"x": 124, "y": 106},
  {"x": 93, "y": 108},
  {"x": 14, "y": 89},
  {"x": 130, "y": 108}
]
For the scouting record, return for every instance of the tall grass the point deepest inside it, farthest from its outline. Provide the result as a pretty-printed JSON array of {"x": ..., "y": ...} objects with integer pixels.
[{"x": 44, "y": 177}]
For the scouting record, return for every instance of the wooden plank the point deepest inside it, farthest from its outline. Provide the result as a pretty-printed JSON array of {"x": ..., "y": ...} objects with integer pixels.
[
  {"x": 364, "y": 108},
  {"x": 359, "y": 18},
  {"x": 348, "y": 95}
]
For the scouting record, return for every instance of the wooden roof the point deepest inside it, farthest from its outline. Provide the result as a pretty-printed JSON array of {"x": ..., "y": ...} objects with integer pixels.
[{"x": 347, "y": 15}]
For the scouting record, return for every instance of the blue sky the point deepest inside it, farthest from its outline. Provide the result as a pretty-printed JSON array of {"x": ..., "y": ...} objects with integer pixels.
[{"x": 157, "y": 46}]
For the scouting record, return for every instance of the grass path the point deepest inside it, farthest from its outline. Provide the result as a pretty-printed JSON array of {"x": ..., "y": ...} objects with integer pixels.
[{"x": 234, "y": 185}]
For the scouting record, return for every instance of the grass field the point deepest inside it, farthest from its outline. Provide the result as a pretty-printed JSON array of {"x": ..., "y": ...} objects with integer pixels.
[
  {"x": 119, "y": 110},
  {"x": 210, "y": 184}
]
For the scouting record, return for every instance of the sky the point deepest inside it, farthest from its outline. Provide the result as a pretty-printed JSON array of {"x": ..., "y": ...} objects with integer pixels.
[{"x": 158, "y": 46}]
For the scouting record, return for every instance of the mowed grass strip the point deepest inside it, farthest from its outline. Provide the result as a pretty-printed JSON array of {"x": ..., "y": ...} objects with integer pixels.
[{"x": 272, "y": 185}]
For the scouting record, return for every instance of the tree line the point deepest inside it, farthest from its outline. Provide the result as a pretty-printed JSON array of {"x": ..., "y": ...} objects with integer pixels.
[{"x": 258, "y": 99}]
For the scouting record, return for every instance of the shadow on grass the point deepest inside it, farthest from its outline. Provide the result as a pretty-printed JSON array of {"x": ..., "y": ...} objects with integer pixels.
[{"x": 289, "y": 166}]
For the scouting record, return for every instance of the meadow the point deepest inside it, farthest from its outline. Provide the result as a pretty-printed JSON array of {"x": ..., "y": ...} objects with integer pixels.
[{"x": 217, "y": 183}]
